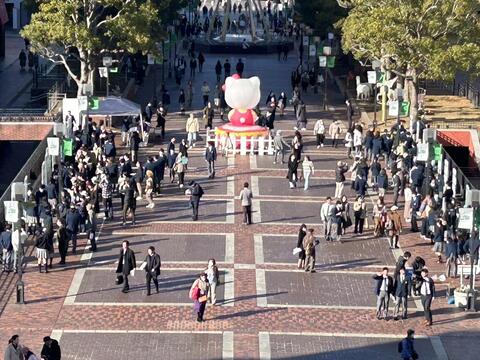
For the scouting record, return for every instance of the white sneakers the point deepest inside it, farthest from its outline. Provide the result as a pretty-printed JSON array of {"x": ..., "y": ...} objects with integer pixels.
[{"x": 150, "y": 206}]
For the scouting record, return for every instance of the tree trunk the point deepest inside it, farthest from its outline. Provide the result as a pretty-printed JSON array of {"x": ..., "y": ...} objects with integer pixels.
[
  {"x": 411, "y": 82},
  {"x": 85, "y": 71}
]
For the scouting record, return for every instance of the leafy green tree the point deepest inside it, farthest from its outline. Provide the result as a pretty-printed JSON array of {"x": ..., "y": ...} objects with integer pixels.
[
  {"x": 87, "y": 29},
  {"x": 414, "y": 38},
  {"x": 320, "y": 15}
]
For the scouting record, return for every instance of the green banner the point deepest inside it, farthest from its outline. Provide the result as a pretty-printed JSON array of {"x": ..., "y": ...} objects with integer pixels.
[
  {"x": 437, "y": 152},
  {"x": 405, "y": 108},
  {"x": 93, "y": 103},
  {"x": 68, "y": 147},
  {"x": 113, "y": 70},
  {"x": 330, "y": 61}
]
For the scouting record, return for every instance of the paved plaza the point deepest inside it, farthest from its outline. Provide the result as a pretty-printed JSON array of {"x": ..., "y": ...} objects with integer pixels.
[{"x": 267, "y": 309}]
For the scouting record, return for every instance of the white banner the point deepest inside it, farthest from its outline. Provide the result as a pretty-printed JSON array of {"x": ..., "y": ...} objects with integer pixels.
[
  {"x": 322, "y": 61},
  {"x": 465, "y": 218},
  {"x": 305, "y": 41},
  {"x": 103, "y": 71},
  {"x": 422, "y": 152},
  {"x": 372, "y": 77},
  {"x": 393, "y": 108},
  {"x": 53, "y": 146},
  {"x": 12, "y": 211},
  {"x": 312, "y": 51}
]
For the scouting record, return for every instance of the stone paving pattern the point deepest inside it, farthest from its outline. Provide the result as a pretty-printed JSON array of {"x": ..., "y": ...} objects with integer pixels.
[{"x": 114, "y": 331}]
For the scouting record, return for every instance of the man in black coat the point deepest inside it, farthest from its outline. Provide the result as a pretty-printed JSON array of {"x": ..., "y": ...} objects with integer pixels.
[
  {"x": 72, "y": 225},
  {"x": 240, "y": 67},
  {"x": 51, "y": 349},
  {"x": 195, "y": 195},
  {"x": 210, "y": 158},
  {"x": 126, "y": 263},
  {"x": 402, "y": 286},
  {"x": 152, "y": 268},
  {"x": 159, "y": 169},
  {"x": 383, "y": 289}
]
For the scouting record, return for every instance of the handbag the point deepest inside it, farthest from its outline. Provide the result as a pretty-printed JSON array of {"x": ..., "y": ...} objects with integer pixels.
[
  {"x": 202, "y": 298},
  {"x": 119, "y": 279}
]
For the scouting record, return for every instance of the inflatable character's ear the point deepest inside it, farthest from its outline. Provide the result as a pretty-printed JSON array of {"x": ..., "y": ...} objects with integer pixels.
[
  {"x": 229, "y": 81},
  {"x": 255, "y": 81}
]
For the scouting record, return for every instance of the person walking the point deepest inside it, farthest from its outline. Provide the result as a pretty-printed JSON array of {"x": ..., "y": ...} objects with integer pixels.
[
  {"x": 130, "y": 202},
  {"x": 292, "y": 175},
  {"x": 7, "y": 248},
  {"x": 91, "y": 226},
  {"x": 359, "y": 213},
  {"x": 301, "y": 117},
  {"x": 201, "y": 61},
  {"x": 22, "y": 58},
  {"x": 393, "y": 226},
  {"x": 427, "y": 295},
  {"x": 218, "y": 71},
  {"x": 196, "y": 192},
  {"x": 213, "y": 277},
  {"x": 205, "y": 93},
  {"x": 326, "y": 215},
  {"x": 192, "y": 128},
  {"x": 309, "y": 243},
  {"x": 42, "y": 253},
  {"x": 383, "y": 289},
  {"x": 210, "y": 158},
  {"x": 308, "y": 170},
  {"x": 438, "y": 238},
  {"x": 246, "y": 197},
  {"x": 401, "y": 287},
  {"x": 208, "y": 114},
  {"x": 72, "y": 225},
  {"x": 199, "y": 294},
  {"x": 302, "y": 233},
  {"x": 189, "y": 92},
  {"x": 62, "y": 240},
  {"x": 181, "y": 101},
  {"x": 19, "y": 236},
  {"x": 382, "y": 183},
  {"x": 319, "y": 132},
  {"x": 149, "y": 185},
  {"x": 279, "y": 145},
  {"x": 406, "y": 348},
  {"x": 340, "y": 171},
  {"x": 180, "y": 168},
  {"x": 151, "y": 265},
  {"x": 107, "y": 197},
  {"x": 13, "y": 351},
  {"x": 334, "y": 131},
  {"x": 126, "y": 264}
]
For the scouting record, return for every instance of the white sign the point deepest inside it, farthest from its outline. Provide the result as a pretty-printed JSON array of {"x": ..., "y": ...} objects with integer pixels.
[
  {"x": 372, "y": 77},
  {"x": 53, "y": 146},
  {"x": 107, "y": 61},
  {"x": 393, "y": 108},
  {"x": 322, "y": 61},
  {"x": 150, "y": 59},
  {"x": 376, "y": 64},
  {"x": 330, "y": 36},
  {"x": 12, "y": 213},
  {"x": 103, "y": 71},
  {"x": 422, "y": 152},
  {"x": 82, "y": 103},
  {"x": 313, "y": 50},
  {"x": 305, "y": 41},
  {"x": 465, "y": 218}
]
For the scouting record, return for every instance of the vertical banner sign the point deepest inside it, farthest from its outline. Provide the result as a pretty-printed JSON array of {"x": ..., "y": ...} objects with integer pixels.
[
  {"x": 322, "y": 60},
  {"x": 331, "y": 61},
  {"x": 437, "y": 152},
  {"x": 53, "y": 146},
  {"x": 465, "y": 219},
  {"x": 150, "y": 59},
  {"x": 404, "y": 108},
  {"x": 313, "y": 50},
  {"x": 422, "y": 152},
  {"x": 67, "y": 147},
  {"x": 393, "y": 108},
  {"x": 12, "y": 213},
  {"x": 305, "y": 41},
  {"x": 372, "y": 77}
]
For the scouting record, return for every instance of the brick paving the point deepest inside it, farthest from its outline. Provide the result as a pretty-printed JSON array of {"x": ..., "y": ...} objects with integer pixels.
[{"x": 123, "y": 326}]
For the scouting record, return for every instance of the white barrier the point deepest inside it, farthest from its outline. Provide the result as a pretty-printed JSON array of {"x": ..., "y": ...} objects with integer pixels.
[{"x": 244, "y": 145}]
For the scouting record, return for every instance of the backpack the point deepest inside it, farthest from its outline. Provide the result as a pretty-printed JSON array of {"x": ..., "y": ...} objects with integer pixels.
[{"x": 200, "y": 191}]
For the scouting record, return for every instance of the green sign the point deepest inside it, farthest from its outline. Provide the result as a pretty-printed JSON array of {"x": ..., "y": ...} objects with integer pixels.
[
  {"x": 68, "y": 147},
  {"x": 330, "y": 61},
  {"x": 437, "y": 152},
  {"x": 113, "y": 70},
  {"x": 477, "y": 218},
  {"x": 93, "y": 103},
  {"x": 405, "y": 108}
]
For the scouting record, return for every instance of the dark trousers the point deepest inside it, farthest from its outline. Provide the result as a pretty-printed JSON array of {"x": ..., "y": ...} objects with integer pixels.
[
  {"x": 201, "y": 310},
  {"x": 247, "y": 214},
  {"x": 358, "y": 225},
  {"x": 205, "y": 100},
  {"x": 195, "y": 204},
  {"x": 93, "y": 241},
  {"x": 151, "y": 277},
  {"x": 427, "y": 303},
  {"x": 125, "y": 212},
  {"x": 72, "y": 236},
  {"x": 181, "y": 178},
  {"x": 414, "y": 226},
  {"x": 320, "y": 139},
  {"x": 62, "y": 249},
  {"x": 125, "y": 282},
  {"x": 108, "y": 208}
]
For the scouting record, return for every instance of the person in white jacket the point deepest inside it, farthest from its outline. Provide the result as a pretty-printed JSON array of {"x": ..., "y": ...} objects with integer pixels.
[
  {"x": 319, "y": 132},
  {"x": 349, "y": 143},
  {"x": 308, "y": 170},
  {"x": 357, "y": 140},
  {"x": 18, "y": 241},
  {"x": 192, "y": 127}
]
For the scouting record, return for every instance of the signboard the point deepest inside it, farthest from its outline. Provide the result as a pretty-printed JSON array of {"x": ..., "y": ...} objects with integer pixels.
[
  {"x": 94, "y": 103},
  {"x": 322, "y": 60},
  {"x": 372, "y": 77},
  {"x": 404, "y": 108},
  {"x": 150, "y": 59},
  {"x": 67, "y": 147},
  {"x": 437, "y": 152},
  {"x": 331, "y": 61},
  {"x": 113, "y": 70},
  {"x": 82, "y": 103},
  {"x": 103, "y": 71},
  {"x": 53, "y": 146},
  {"x": 312, "y": 50},
  {"x": 465, "y": 218},
  {"x": 422, "y": 152},
  {"x": 12, "y": 211},
  {"x": 305, "y": 41},
  {"x": 330, "y": 36},
  {"x": 393, "y": 108},
  {"x": 107, "y": 61}
]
